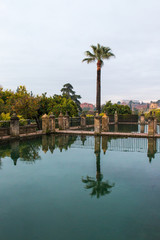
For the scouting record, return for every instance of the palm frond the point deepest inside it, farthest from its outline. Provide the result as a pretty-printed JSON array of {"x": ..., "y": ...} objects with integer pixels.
[
  {"x": 107, "y": 55},
  {"x": 99, "y": 53},
  {"x": 94, "y": 48},
  {"x": 89, "y": 54},
  {"x": 106, "y": 49},
  {"x": 88, "y": 60}
]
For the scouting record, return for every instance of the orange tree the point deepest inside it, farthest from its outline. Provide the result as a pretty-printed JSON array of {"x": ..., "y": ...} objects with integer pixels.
[{"x": 23, "y": 103}]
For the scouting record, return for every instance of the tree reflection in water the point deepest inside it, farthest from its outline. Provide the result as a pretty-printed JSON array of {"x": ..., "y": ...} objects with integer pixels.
[
  {"x": 28, "y": 150},
  {"x": 99, "y": 187}
]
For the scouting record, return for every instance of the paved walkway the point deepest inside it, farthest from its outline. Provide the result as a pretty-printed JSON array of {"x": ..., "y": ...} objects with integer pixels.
[{"x": 118, "y": 134}]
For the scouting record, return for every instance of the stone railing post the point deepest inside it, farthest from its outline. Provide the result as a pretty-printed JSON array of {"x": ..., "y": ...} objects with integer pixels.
[
  {"x": 142, "y": 122},
  {"x": 142, "y": 119},
  {"x": 116, "y": 117},
  {"x": 152, "y": 148},
  {"x": 104, "y": 144},
  {"x": 105, "y": 123},
  {"x": 44, "y": 143},
  {"x": 66, "y": 121},
  {"x": 142, "y": 128},
  {"x": 116, "y": 127},
  {"x": 151, "y": 127},
  {"x": 155, "y": 123},
  {"x": 97, "y": 144},
  {"x": 15, "y": 151},
  {"x": 60, "y": 121},
  {"x": 52, "y": 123},
  {"x": 45, "y": 124},
  {"x": 51, "y": 142},
  {"x": 97, "y": 124},
  {"x": 14, "y": 126},
  {"x": 83, "y": 120}
]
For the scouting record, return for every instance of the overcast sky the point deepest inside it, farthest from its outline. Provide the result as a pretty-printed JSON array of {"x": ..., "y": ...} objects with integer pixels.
[{"x": 42, "y": 44}]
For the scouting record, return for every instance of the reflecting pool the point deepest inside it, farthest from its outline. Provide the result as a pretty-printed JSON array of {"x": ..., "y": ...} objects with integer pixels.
[
  {"x": 80, "y": 187},
  {"x": 126, "y": 128}
]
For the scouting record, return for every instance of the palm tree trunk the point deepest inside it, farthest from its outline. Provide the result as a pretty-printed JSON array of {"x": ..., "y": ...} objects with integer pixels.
[
  {"x": 98, "y": 167},
  {"x": 98, "y": 98},
  {"x": 97, "y": 149}
]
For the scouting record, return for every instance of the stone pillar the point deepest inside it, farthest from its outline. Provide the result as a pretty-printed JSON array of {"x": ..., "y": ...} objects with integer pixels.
[
  {"x": 52, "y": 123},
  {"x": 105, "y": 123},
  {"x": 116, "y": 117},
  {"x": 142, "y": 119},
  {"x": 142, "y": 128},
  {"x": 104, "y": 144},
  {"x": 45, "y": 143},
  {"x": 115, "y": 127},
  {"x": 152, "y": 149},
  {"x": 15, "y": 151},
  {"x": 60, "y": 121},
  {"x": 66, "y": 141},
  {"x": 97, "y": 124},
  {"x": 155, "y": 123},
  {"x": 83, "y": 139},
  {"x": 45, "y": 123},
  {"x": 97, "y": 144},
  {"x": 66, "y": 121},
  {"x": 83, "y": 120},
  {"x": 51, "y": 142},
  {"x": 61, "y": 140},
  {"x": 14, "y": 126},
  {"x": 151, "y": 126}
]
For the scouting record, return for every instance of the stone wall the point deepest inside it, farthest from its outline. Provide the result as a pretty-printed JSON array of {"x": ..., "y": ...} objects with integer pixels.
[
  {"x": 4, "y": 131},
  {"x": 28, "y": 129},
  {"x": 22, "y": 130}
]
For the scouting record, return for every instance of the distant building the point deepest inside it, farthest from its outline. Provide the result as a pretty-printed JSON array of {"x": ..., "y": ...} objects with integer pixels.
[
  {"x": 153, "y": 105},
  {"x": 140, "y": 107},
  {"x": 128, "y": 102},
  {"x": 87, "y": 106},
  {"x": 135, "y": 105}
]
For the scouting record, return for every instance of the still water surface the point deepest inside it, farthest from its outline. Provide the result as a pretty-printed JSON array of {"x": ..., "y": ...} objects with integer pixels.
[
  {"x": 127, "y": 128},
  {"x": 77, "y": 187}
]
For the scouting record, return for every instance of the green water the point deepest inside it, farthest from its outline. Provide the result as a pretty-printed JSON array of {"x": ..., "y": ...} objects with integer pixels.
[
  {"x": 66, "y": 188},
  {"x": 125, "y": 128}
]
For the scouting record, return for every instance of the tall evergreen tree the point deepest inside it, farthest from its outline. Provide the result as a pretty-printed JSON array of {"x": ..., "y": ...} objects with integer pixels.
[{"x": 68, "y": 92}]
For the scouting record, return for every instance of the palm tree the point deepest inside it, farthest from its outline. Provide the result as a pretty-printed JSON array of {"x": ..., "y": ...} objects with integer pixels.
[
  {"x": 99, "y": 53},
  {"x": 99, "y": 187}
]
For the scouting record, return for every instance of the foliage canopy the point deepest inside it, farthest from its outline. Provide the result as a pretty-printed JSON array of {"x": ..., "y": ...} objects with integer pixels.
[
  {"x": 110, "y": 108},
  {"x": 99, "y": 53},
  {"x": 29, "y": 106}
]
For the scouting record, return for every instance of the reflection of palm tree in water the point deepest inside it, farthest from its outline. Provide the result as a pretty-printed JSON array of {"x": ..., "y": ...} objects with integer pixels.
[{"x": 99, "y": 187}]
